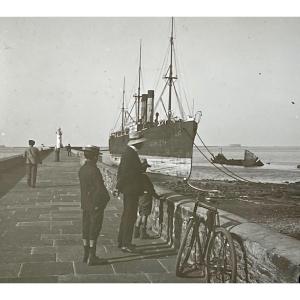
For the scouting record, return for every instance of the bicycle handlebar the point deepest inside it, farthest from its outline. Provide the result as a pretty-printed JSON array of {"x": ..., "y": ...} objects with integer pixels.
[
  {"x": 211, "y": 208},
  {"x": 198, "y": 189},
  {"x": 199, "y": 203}
]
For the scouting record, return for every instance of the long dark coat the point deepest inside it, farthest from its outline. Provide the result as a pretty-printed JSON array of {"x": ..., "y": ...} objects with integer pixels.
[
  {"x": 93, "y": 191},
  {"x": 129, "y": 180}
]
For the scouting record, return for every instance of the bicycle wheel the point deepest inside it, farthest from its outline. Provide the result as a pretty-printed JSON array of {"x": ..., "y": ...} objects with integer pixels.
[
  {"x": 190, "y": 257},
  {"x": 221, "y": 257}
]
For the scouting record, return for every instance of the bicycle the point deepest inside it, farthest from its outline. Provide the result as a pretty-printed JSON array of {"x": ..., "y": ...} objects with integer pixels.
[{"x": 207, "y": 249}]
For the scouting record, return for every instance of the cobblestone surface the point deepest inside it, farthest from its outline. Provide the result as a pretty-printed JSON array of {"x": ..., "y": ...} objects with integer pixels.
[{"x": 41, "y": 235}]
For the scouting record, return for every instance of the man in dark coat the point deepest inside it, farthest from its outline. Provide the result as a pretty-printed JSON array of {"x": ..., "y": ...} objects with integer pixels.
[
  {"x": 129, "y": 184},
  {"x": 94, "y": 198},
  {"x": 32, "y": 159}
]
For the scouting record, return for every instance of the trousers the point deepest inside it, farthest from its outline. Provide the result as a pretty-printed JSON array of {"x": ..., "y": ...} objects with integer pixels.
[
  {"x": 128, "y": 219},
  {"x": 92, "y": 224},
  {"x": 31, "y": 171}
]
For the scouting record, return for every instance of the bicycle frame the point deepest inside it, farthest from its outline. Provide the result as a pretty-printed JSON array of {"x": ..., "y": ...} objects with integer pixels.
[
  {"x": 207, "y": 238},
  {"x": 211, "y": 222}
]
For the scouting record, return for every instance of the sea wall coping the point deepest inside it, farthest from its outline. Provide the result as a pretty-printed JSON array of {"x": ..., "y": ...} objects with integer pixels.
[{"x": 10, "y": 162}]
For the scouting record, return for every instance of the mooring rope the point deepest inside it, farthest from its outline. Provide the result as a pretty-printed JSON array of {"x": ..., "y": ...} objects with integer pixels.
[{"x": 228, "y": 173}]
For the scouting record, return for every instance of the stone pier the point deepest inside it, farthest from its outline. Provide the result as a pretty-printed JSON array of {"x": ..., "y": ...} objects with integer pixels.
[{"x": 41, "y": 234}]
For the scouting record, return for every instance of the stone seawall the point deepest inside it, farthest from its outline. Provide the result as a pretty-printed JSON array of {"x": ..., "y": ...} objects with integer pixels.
[
  {"x": 262, "y": 255},
  {"x": 11, "y": 162}
]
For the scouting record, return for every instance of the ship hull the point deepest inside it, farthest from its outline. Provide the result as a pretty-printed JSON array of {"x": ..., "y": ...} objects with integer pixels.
[{"x": 168, "y": 140}]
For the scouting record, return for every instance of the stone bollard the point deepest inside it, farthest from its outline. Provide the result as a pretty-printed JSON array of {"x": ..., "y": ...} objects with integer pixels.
[{"x": 56, "y": 157}]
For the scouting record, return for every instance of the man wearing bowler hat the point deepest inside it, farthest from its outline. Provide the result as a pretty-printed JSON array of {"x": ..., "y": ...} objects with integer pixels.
[
  {"x": 94, "y": 198},
  {"x": 32, "y": 159},
  {"x": 130, "y": 185}
]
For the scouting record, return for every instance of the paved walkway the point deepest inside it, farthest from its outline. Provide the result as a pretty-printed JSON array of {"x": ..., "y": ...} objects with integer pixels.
[{"x": 41, "y": 235}]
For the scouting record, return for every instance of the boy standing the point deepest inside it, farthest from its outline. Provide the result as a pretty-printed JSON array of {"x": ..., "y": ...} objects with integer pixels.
[
  {"x": 145, "y": 203},
  {"x": 94, "y": 198}
]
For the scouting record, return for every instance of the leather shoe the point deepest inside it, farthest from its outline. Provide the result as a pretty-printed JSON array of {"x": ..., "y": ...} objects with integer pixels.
[{"x": 127, "y": 249}]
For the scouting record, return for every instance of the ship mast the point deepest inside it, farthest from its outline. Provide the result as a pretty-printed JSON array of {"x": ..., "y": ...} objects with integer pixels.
[
  {"x": 170, "y": 77},
  {"x": 139, "y": 87},
  {"x": 123, "y": 108}
]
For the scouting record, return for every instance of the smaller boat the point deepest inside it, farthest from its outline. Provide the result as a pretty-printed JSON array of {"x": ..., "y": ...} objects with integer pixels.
[{"x": 250, "y": 160}]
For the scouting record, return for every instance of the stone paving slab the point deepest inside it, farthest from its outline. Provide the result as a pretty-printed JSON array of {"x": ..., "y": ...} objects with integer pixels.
[
  {"x": 107, "y": 241},
  {"x": 41, "y": 257},
  {"x": 105, "y": 278},
  {"x": 172, "y": 278},
  {"x": 74, "y": 229},
  {"x": 21, "y": 207},
  {"x": 43, "y": 210},
  {"x": 9, "y": 269},
  {"x": 57, "y": 203},
  {"x": 139, "y": 266},
  {"x": 63, "y": 215},
  {"x": 74, "y": 253},
  {"x": 46, "y": 269},
  {"x": 28, "y": 239},
  {"x": 44, "y": 223},
  {"x": 67, "y": 236},
  {"x": 64, "y": 209},
  {"x": 27, "y": 243},
  {"x": 38, "y": 230},
  {"x": 169, "y": 264},
  {"x": 43, "y": 250},
  {"x": 66, "y": 243},
  {"x": 47, "y": 279},
  {"x": 82, "y": 268},
  {"x": 12, "y": 257}
]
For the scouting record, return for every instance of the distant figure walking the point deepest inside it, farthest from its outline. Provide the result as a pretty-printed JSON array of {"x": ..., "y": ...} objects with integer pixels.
[
  {"x": 69, "y": 148},
  {"x": 129, "y": 182},
  {"x": 94, "y": 198},
  {"x": 32, "y": 157}
]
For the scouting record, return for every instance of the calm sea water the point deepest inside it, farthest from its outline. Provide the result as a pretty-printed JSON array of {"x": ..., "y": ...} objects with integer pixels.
[
  {"x": 10, "y": 151},
  {"x": 282, "y": 165}
]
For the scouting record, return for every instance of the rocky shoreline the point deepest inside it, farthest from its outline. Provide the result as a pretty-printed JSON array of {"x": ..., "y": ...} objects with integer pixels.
[{"x": 273, "y": 205}]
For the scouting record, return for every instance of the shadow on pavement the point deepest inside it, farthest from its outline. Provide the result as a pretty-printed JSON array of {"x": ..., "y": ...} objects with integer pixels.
[
  {"x": 146, "y": 251},
  {"x": 41, "y": 186},
  {"x": 9, "y": 178}
]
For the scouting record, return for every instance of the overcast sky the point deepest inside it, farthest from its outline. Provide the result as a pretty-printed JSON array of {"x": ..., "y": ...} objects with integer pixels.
[{"x": 243, "y": 74}]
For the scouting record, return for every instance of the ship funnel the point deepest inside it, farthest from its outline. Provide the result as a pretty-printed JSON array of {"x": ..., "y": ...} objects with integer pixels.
[
  {"x": 144, "y": 108},
  {"x": 150, "y": 106}
]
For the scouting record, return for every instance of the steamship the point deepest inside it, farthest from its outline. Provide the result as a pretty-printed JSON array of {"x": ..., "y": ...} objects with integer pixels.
[{"x": 170, "y": 136}]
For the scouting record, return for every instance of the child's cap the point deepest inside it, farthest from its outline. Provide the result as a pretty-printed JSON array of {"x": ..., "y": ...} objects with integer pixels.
[{"x": 144, "y": 162}]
